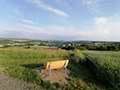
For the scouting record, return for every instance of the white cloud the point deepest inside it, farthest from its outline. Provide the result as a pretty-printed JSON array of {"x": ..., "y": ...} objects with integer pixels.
[
  {"x": 40, "y": 4},
  {"x": 23, "y": 31},
  {"x": 54, "y": 33},
  {"x": 95, "y": 6},
  {"x": 106, "y": 28},
  {"x": 71, "y": 33},
  {"x": 30, "y": 27},
  {"x": 100, "y": 25},
  {"x": 100, "y": 21},
  {"x": 27, "y": 21}
]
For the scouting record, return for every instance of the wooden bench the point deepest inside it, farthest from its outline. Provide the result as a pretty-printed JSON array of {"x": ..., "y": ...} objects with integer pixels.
[{"x": 56, "y": 65}]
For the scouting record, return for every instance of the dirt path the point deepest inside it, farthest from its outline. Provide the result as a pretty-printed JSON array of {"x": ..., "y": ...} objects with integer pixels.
[
  {"x": 57, "y": 75},
  {"x": 7, "y": 83}
]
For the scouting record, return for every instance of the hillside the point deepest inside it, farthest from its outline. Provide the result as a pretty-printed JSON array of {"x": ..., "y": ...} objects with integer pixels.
[{"x": 18, "y": 62}]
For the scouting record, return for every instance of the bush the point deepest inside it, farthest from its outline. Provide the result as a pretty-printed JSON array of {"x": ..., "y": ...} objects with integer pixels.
[{"x": 27, "y": 47}]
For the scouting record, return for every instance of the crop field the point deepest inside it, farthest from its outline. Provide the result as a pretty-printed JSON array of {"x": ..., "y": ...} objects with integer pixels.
[
  {"x": 105, "y": 65},
  {"x": 20, "y": 40},
  {"x": 18, "y": 62}
]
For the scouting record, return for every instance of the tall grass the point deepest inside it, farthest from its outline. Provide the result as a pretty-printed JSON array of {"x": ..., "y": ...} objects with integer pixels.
[
  {"x": 105, "y": 65},
  {"x": 17, "y": 56}
]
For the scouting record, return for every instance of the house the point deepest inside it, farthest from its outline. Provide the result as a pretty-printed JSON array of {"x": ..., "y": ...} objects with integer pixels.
[{"x": 1, "y": 45}]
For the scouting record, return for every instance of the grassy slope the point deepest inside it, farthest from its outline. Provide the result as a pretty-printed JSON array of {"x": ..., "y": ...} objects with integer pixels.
[
  {"x": 19, "y": 62},
  {"x": 106, "y": 66},
  {"x": 18, "y": 56}
]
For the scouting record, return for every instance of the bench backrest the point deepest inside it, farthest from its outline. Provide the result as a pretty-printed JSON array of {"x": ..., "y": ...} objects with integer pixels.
[{"x": 56, "y": 64}]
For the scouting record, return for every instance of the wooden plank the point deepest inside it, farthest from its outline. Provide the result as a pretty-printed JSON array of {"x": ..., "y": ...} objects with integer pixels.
[{"x": 56, "y": 64}]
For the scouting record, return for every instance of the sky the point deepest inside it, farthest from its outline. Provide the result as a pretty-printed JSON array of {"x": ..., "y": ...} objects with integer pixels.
[{"x": 96, "y": 20}]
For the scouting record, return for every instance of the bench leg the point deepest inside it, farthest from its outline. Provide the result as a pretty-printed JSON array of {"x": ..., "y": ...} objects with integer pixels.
[
  {"x": 65, "y": 70},
  {"x": 50, "y": 70}
]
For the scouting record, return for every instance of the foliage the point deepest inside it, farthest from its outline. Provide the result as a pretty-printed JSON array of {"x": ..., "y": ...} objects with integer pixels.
[
  {"x": 101, "y": 47},
  {"x": 5, "y": 41},
  {"x": 68, "y": 48},
  {"x": 105, "y": 66}
]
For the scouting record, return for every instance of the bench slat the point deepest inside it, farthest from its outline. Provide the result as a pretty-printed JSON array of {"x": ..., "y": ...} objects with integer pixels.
[{"x": 56, "y": 64}]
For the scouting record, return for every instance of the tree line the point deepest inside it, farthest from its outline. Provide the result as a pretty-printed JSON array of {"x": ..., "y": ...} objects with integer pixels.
[{"x": 112, "y": 47}]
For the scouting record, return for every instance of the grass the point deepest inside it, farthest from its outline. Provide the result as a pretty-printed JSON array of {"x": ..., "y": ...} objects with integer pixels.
[
  {"x": 81, "y": 78},
  {"x": 21, "y": 40},
  {"x": 14, "y": 57},
  {"x": 18, "y": 62},
  {"x": 105, "y": 66}
]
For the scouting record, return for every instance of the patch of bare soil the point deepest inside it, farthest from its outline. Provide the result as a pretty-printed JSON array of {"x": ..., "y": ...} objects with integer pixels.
[
  {"x": 57, "y": 75},
  {"x": 7, "y": 83}
]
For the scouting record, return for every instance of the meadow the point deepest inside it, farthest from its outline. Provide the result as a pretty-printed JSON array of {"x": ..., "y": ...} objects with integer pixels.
[
  {"x": 18, "y": 62},
  {"x": 105, "y": 65}
]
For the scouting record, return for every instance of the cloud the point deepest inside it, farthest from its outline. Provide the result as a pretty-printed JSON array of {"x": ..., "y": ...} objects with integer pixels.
[
  {"x": 50, "y": 33},
  {"x": 27, "y": 21},
  {"x": 23, "y": 31},
  {"x": 105, "y": 28},
  {"x": 54, "y": 33},
  {"x": 100, "y": 28},
  {"x": 100, "y": 25},
  {"x": 71, "y": 33},
  {"x": 100, "y": 21},
  {"x": 40, "y": 4},
  {"x": 94, "y": 6},
  {"x": 30, "y": 27},
  {"x": 108, "y": 27}
]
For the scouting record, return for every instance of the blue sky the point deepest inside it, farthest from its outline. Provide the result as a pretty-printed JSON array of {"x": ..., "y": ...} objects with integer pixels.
[{"x": 60, "y": 19}]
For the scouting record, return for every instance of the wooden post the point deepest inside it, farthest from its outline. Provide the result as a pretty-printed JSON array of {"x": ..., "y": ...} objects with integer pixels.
[{"x": 50, "y": 69}]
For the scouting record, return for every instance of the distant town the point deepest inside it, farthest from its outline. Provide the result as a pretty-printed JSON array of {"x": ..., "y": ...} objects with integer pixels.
[
  {"x": 17, "y": 42},
  {"x": 68, "y": 45}
]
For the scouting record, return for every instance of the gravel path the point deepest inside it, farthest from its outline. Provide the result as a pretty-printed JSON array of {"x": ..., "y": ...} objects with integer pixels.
[{"x": 7, "y": 83}]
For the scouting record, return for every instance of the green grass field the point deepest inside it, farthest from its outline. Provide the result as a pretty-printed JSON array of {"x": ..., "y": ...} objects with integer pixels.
[
  {"x": 106, "y": 66},
  {"x": 18, "y": 62},
  {"x": 20, "y": 40}
]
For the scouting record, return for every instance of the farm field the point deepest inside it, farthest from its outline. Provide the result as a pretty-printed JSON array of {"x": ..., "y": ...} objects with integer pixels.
[
  {"x": 18, "y": 62},
  {"x": 20, "y": 40},
  {"x": 105, "y": 65}
]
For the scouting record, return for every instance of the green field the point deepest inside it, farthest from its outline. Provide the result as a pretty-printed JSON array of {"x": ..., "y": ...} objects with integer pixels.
[
  {"x": 106, "y": 66},
  {"x": 18, "y": 62},
  {"x": 21, "y": 40}
]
